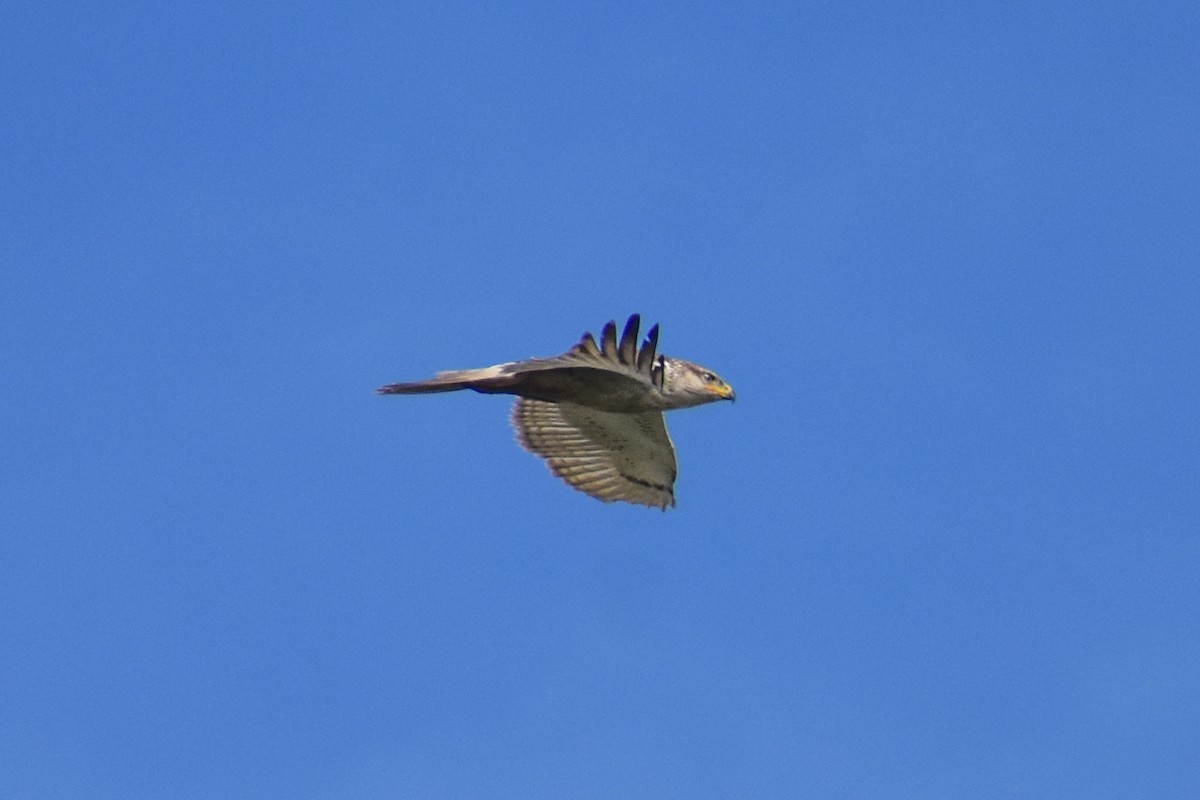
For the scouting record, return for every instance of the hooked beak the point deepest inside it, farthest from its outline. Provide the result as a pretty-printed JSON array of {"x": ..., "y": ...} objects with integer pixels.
[{"x": 725, "y": 392}]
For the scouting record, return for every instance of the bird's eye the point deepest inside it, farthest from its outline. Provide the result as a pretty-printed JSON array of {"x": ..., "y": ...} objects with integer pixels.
[{"x": 709, "y": 377}]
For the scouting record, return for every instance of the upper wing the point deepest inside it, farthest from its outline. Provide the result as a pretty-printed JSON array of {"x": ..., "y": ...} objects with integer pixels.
[
  {"x": 610, "y": 369},
  {"x": 607, "y": 455},
  {"x": 609, "y": 354}
]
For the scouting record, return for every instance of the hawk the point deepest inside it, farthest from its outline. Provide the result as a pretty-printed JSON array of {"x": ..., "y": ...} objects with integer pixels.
[{"x": 595, "y": 413}]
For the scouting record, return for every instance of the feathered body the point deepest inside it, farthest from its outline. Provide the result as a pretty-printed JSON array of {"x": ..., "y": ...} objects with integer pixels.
[{"x": 595, "y": 412}]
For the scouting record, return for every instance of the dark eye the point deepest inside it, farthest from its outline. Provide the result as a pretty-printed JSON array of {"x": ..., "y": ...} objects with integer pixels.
[{"x": 709, "y": 377}]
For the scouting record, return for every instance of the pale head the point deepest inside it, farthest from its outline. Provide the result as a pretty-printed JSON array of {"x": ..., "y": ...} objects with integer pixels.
[{"x": 687, "y": 384}]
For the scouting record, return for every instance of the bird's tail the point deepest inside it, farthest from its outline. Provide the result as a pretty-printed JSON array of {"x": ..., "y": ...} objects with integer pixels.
[{"x": 478, "y": 379}]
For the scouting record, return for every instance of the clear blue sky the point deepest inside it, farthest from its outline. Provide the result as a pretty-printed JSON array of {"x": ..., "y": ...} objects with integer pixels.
[{"x": 946, "y": 544}]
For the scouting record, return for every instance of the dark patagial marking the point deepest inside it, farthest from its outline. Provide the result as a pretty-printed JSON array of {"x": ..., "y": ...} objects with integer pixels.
[{"x": 647, "y": 484}]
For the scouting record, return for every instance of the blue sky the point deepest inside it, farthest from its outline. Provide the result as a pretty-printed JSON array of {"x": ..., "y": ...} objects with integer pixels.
[{"x": 945, "y": 544}]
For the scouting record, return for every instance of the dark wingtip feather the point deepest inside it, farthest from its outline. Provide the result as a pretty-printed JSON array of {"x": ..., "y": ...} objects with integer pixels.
[
  {"x": 587, "y": 345},
  {"x": 646, "y": 356},
  {"x": 608, "y": 339},
  {"x": 629, "y": 340}
]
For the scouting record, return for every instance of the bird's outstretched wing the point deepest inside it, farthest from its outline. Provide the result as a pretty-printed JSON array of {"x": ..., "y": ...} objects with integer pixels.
[
  {"x": 608, "y": 455},
  {"x": 609, "y": 373}
]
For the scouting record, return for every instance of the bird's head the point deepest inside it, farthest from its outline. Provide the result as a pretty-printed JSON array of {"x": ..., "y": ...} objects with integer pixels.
[{"x": 687, "y": 384}]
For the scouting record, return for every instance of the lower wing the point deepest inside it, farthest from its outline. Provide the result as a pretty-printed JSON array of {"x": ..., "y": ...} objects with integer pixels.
[{"x": 610, "y": 456}]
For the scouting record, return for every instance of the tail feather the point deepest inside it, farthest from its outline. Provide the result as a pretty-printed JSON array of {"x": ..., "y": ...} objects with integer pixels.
[
  {"x": 445, "y": 382},
  {"x": 421, "y": 387}
]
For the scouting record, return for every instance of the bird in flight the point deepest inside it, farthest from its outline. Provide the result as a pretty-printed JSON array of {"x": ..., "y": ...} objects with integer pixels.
[{"x": 595, "y": 413}]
